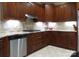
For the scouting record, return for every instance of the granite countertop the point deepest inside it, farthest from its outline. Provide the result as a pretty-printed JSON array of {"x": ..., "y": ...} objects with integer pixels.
[{"x": 17, "y": 33}]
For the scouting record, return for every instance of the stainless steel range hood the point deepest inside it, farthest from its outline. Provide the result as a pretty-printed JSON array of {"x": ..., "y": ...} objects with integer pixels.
[{"x": 31, "y": 17}]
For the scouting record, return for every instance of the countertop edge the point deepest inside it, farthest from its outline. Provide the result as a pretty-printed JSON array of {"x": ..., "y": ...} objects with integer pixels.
[{"x": 22, "y": 33}]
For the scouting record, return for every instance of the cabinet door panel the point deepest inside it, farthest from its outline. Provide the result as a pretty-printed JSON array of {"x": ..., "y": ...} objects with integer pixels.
[
  {"x": 72, "y": 40},
  {"x": 4, "y": 47},
  {"x": 77, "y": 5},
  {"x": 49, "y": 12},
  {"x": 34, "y": 42},
  {"x": 73, "y": 12},
  {"x": 39, "y": 12}
]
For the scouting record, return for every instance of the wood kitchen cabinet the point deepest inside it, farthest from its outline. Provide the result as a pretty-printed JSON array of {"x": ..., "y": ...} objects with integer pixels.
[
  {"x": 60, "y": 13},
  {"x": 72, "y": 40},
  {"x": 55, "y": 39},
  {"x": 77, "y": 5},
  {"x": 4, "y": 47},
  {"x": 49, "y": 12},
  {"x": 38, "y": 11},
  {"x": 45, "y": 38},
  {"x": 70, "y": 12},
  {"x": 66, "y": 40},
  {"x": 59, "y": 10},
  {"x": 12, "y": 10},
  {"x": 65, "y": 12},
  {"x": 17, "y": 10},
  {"x": 34, "y": 42}
]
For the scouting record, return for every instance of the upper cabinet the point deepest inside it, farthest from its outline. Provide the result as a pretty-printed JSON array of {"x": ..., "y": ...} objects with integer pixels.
[
  {"x": 38, "y": 11},
  {"x": 77, "y": 5},
  {"x": 70, "y": 12},
  {"x": 44, "y": 12},
  {"x": 66, "y": 12},
  {"x": 59, "y": 13},
  {"x": 49, "y": 12},
  {"x": 13, "y": 10}
]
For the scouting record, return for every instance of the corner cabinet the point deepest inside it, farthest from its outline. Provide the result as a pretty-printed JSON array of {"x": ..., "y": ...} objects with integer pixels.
[
  {"x": 61, "y": 13},
  {"x": 70, "y": 13},
  {"x": 36, "y": 41}
]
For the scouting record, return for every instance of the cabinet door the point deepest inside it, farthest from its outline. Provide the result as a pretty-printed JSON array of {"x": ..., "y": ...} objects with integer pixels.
[
  {"x": 59, "y": 39},
  {"x": 5, "y": 11},
  {"x": 34, "y": 42},
  {"x": 4, "y": 47},
  {"x": 61, "y": 7},
  {"x": 57, "y": 13},
  {"x": 52, "y": 38},
  {"x": 45, "y": 38},
  {"x": 72, "y": 40},
  {"x": 38, "y": 11},
  {"x": 73, "y": 12},
  {"x": 77, "y": 5},
  {"x": 49, "y": 12},
  {"x": 67, "y": 12},
  {"x": 63, "y": 40}
]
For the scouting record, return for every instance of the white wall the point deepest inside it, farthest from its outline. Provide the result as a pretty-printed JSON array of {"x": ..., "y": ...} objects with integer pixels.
[
  {"x": 39, "y": 26},
  {"x": 13, "y": 25},
  {"x": 68, "y": 26}
]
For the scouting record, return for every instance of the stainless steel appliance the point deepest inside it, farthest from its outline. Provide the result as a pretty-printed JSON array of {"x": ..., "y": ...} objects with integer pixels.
[{"x": 18, "y": 46}]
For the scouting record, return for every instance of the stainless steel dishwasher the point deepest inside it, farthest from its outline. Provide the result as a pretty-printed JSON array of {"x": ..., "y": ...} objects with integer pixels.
[{"x": 18, "y": 46}]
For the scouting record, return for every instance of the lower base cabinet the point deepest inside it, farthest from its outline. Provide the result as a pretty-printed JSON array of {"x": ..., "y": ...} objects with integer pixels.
[
  {"x": 35, "y": 42},
  {"x": 4, "y": 47},
  {"x": 66, "y": 40}
]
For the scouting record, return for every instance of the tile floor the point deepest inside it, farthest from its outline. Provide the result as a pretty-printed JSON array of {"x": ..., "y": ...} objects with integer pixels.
[{"x": 52, "y": 51}]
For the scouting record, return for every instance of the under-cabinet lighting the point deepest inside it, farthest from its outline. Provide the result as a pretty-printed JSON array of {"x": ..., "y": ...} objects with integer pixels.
[
  {"x": 51, "y": 24},
  {"x": 70, "y": 23}
]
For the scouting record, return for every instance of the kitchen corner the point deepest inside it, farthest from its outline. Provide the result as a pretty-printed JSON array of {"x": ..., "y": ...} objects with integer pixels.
[{"x": 28, "y": 27}]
